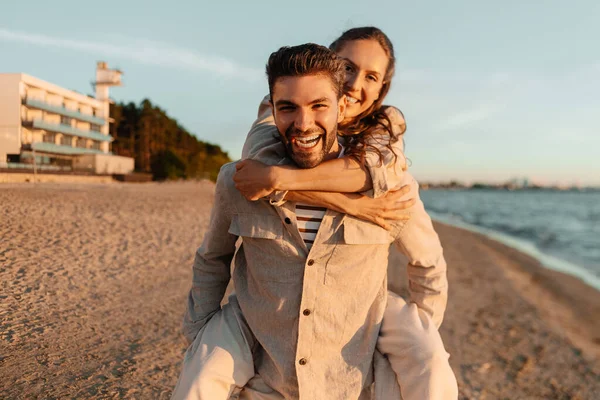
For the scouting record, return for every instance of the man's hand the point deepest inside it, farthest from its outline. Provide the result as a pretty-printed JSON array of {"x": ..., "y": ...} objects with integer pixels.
[
  {"x": 254, "y": 179},
  {"x": 382, "y": 209}
]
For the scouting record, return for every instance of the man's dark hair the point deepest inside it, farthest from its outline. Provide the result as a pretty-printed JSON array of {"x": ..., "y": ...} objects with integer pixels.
[{"x": 306, "y": 59}]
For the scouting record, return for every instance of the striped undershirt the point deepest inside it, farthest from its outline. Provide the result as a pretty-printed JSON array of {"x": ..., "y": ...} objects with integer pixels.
[{"x": 309, "y": 219}]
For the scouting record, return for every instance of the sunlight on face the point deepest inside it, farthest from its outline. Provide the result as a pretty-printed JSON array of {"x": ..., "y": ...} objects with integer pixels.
[
  {"x": 306, "y": 111},
  {"x": 364, "y": 75}
]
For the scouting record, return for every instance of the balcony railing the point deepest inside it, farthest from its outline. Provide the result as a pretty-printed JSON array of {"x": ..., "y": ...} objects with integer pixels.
[
  {"x": 69, "y": 130},
  {"x": 42, "y": 105},
  {"x": 67, "y": 150},
  {"x": 42, "y": 167}
]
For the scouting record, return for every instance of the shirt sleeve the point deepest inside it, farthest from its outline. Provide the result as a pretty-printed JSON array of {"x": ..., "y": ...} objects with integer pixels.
[
  {"x": 386, "y": 171},
  {"x": 211, "y": 269},
  {"x": 418, "y": 241},
  {"x": 263, "y": 144}
]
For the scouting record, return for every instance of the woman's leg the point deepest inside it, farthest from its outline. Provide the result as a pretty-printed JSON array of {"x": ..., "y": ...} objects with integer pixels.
[
  {"x": 220, "y": 358},
  {"x": 416, "y": 352},
  {"x": 257, "y": 389}
]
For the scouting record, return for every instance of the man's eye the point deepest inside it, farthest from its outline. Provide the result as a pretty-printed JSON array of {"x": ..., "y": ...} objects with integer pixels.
[
  {"x": 348, "y": 68},
  {"x": 286, "y": 108},
  {"x": 372, "y": 78},
  {"x": 320, "y": 106}
]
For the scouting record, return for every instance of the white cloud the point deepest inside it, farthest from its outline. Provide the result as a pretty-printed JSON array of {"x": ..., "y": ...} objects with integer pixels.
[
  {"x": 144, "y": 52},
  {"x": 468, "y": 117}
]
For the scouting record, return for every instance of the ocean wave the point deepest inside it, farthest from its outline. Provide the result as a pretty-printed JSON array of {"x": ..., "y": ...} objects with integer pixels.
[{"x": 564, "y": 226}]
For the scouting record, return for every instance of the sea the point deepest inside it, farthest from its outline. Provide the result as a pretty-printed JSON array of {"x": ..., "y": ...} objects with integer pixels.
[{"x": 559, "y": 228}]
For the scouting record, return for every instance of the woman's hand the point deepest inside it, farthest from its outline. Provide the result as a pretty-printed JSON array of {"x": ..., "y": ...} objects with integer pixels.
[
  {"x": 254, "y": 179},
  {"x": 382, "y": 209}
]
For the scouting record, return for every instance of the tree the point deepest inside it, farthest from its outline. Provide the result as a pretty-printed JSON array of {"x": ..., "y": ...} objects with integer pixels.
[{"x": 159, "y": 145}]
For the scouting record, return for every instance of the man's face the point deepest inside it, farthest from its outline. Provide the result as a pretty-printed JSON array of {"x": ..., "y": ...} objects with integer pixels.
[{"x": 306, "y": 111}]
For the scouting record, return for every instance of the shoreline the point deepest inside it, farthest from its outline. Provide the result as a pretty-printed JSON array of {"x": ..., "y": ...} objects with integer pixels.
[
  {"x": 568, "y": 303},
  {"x": 546, "y": 260}
]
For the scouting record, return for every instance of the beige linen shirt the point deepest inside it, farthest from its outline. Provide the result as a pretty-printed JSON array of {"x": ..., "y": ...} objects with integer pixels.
[{"x": 315, "y": 314}]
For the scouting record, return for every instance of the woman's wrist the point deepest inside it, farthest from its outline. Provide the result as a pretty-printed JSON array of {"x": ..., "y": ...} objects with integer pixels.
[
  {"x": 278, "y": 178},
  {"x": 282, "y": 178},
  {"x": 350, "y": 204}
]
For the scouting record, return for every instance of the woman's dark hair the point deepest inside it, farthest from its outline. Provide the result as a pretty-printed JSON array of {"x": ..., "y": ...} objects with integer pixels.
[{"x": 374, "y": 118}]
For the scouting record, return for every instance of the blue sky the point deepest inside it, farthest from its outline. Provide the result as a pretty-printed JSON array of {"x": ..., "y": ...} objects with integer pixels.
[{"x": 490, "y": 90}]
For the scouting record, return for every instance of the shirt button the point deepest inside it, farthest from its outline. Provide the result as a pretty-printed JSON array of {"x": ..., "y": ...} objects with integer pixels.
[
  {"x": 306, "y": 312},
  {"x": 311, "y": 262},
  {"x": 302, "y": 361},
  {"x": 288, "y": 221}
]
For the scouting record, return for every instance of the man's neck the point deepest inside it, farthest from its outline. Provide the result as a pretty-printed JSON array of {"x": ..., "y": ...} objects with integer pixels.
[{"x": 334, "y": 152}]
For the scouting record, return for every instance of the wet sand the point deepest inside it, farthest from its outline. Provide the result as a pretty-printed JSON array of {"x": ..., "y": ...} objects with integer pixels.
[{"x": 94, "y": 280}]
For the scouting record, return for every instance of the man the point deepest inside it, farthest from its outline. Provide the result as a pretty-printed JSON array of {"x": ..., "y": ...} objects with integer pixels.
[{"x": 303, "y": 324}]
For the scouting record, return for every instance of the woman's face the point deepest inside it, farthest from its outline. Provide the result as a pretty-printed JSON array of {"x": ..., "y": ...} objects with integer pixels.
[{"x": 364, "y": 75}]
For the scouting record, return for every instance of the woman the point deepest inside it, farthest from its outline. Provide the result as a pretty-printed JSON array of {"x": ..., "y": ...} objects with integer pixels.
[
  {"x": 373, "y": 160},
  {"x": 373, "y": 134}
]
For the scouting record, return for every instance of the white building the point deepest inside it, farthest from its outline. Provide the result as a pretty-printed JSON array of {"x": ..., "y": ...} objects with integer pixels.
[{"x": 61, "y": 128}]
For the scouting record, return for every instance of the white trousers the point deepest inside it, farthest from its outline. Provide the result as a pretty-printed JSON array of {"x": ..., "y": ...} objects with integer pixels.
[
  {"x": 219, "y": 361},
  {"x": 416, "y": 353}
]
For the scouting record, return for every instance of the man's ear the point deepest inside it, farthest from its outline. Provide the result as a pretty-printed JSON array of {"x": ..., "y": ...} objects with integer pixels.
[{"x": 342, "y": 108}]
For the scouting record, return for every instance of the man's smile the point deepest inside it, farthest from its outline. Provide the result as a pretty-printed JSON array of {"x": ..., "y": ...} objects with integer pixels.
[{"x": 307, "y": 142}]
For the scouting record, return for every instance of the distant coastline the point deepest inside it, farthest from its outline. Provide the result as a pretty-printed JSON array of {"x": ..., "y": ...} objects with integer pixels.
[{"x": 506, "y": 186}]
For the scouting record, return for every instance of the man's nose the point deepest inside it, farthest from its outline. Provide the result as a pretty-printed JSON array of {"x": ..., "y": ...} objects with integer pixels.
[{"x": 304, "y": 121}]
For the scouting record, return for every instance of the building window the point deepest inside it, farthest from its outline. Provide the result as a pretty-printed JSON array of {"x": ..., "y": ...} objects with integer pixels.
[
  {"x": 94, "y": 127},
  {"x": 49, "y": 138},
  {"x": 65, "y": 140},
  {"x": 96, "y": 145},
  {"x": 65, "y": 120},
  {"x": 82, "y": 143}
]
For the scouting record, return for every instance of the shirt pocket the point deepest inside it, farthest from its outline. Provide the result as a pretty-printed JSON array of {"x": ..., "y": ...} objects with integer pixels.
[
  {"x": 258, "y": 226},
  {"x": 361, "y": 250},
  {"x": 263, "y": 248}
]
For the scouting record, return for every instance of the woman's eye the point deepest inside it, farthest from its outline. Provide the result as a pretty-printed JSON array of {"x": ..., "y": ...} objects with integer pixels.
[
  {"x": 372, "y": 78},
  {"x": 348, "y": 68}
]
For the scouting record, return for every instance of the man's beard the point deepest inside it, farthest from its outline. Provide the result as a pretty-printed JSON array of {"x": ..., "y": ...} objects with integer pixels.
[{"x": 306, "y": 160}]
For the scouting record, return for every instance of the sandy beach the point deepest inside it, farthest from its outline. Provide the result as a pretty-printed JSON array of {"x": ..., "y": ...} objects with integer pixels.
[{"x": 94, "y": 279}]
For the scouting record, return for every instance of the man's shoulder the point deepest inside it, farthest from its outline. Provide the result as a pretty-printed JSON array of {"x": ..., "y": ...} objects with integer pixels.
[
  {"x": 227, "y": 192},
  {"x": 225, "y": 178},
  {"x": 228, "y": 170}
]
